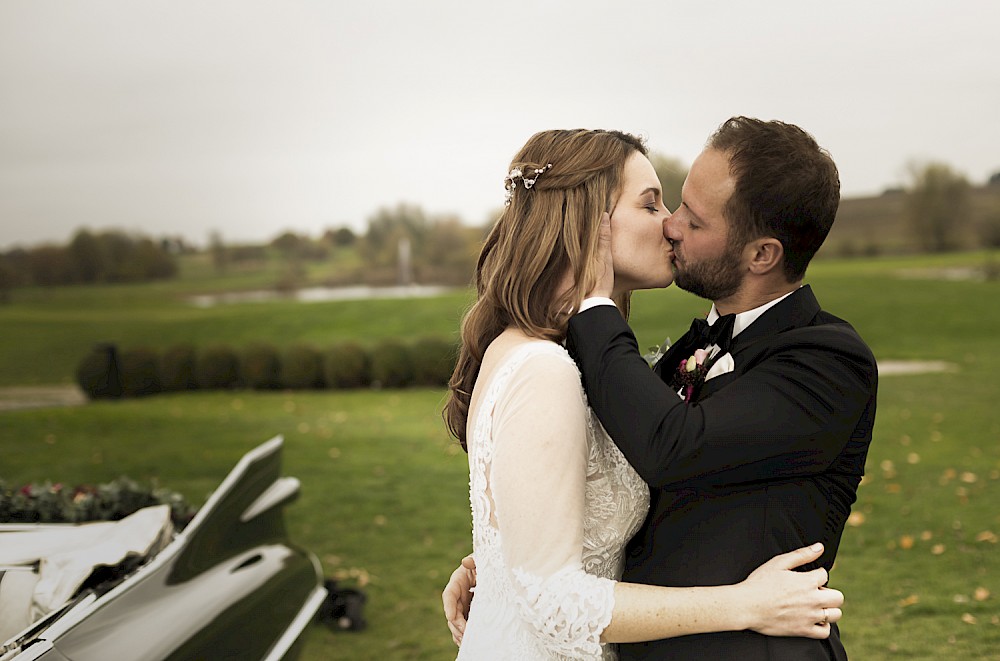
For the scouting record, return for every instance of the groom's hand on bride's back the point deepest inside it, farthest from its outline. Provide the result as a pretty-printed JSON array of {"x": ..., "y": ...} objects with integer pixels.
[
  {"x": 457, "y": 597},
  {"x": 604, "y": 264}
]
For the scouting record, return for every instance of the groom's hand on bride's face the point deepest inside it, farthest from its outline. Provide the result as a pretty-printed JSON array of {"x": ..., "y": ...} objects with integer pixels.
[
  {"x": 457, "y": 597},
  {"x": 604, "y": 263}
]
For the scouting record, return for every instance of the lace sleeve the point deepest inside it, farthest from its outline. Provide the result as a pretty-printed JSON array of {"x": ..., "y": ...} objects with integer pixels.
[{"x": 538, "y": 483}]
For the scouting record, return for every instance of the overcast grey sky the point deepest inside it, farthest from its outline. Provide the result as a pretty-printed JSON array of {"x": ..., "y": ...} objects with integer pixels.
[{"x": 249, "y": 117}]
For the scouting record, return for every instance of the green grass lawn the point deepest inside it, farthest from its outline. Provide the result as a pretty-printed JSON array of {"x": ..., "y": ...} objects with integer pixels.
[{"x": 385, "y": 491}]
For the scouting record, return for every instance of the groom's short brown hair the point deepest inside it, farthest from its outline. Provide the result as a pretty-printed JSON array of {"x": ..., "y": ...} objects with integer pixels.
[{"x": 787, "y": 187}]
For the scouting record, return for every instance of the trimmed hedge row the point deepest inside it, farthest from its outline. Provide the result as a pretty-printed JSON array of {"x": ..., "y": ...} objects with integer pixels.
[{"x": 108, "y": 373}]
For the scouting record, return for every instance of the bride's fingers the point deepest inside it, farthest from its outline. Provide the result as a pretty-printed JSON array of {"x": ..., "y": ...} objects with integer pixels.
[
  {"x": 604, "y": 262},
  {"x": 456, "y": 634},
  {"x": 831, "y": 598},
  {"x": 819, "y": 576},
  {"x": 798, "y": 557},
  {"x": 604, "y": 229},
  {"x": 833, "y": 615}
]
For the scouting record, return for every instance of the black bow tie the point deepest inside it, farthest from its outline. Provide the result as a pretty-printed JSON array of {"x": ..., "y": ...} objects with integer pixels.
[{"x": 720, "y": 333}]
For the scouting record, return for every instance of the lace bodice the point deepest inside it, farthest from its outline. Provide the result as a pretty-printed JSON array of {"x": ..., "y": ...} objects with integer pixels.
[{"x": 553, "y": 504}]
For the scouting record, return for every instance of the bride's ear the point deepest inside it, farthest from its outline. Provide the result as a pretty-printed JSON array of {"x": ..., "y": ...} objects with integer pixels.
[{"x": 766, "y": 255}]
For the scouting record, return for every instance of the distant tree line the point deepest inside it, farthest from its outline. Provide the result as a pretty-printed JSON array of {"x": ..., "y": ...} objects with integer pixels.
[
  {"x": 401, "y": 245},
  {"x": 404, "y": 245},
  {"x": 90, "y": 258}
]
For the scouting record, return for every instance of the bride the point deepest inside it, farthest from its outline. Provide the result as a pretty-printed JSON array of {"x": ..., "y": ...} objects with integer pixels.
[{"x": 553, "y": 500}]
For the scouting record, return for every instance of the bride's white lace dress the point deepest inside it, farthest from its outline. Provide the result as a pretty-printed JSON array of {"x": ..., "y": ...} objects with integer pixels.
[{"x": 553, "y": 504}]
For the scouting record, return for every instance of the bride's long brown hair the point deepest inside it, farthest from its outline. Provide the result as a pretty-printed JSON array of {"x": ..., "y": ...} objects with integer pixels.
[{"x": 545, "y": 232}]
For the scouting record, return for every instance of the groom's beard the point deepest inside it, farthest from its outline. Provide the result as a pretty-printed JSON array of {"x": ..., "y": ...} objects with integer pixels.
[{"x": 713, "y": 279}]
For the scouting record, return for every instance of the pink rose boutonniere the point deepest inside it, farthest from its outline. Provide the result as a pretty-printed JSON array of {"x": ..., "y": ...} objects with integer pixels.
[
  {"x": 691, "y": 373},
  {"x": 704, "y": 365}
]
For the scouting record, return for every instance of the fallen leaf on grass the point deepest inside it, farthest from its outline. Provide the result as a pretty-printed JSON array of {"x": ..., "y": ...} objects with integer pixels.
[
  {"x": 969, "y": 478},
  {"x": 855, "y": 519},
  {"x": 906, "y": 542},
  {"x": 969, "y": 618},
  {"x": 981, "y": 594},
  {"x": 926, "y": 535},
  {"x": 358, "y": 574},
  {"x": 909, "y": 601},
  {"x": 987, "y": 536},
  {"x": 937, "y": 549}
]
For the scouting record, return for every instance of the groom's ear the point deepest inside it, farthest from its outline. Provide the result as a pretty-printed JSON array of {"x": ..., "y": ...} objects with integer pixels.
[{"x": 766, "y": 255}]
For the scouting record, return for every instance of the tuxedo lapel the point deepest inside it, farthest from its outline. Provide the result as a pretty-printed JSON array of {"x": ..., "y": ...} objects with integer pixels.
[
  {"x": 717, "y": 383},
  {"x": 796, "y": 311}
]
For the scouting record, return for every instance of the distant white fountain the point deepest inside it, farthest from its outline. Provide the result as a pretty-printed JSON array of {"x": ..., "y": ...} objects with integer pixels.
[
  {"x": 405, "y": 266},
  {"x": 406, "y": 288}
]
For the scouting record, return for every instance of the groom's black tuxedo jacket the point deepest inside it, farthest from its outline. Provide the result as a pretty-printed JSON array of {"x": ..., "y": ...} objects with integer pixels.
[{"x": 766, "y": 459}]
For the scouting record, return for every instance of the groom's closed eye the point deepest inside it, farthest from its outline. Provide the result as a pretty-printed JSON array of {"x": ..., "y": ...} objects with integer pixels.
[{"x": 693, "y": 220}]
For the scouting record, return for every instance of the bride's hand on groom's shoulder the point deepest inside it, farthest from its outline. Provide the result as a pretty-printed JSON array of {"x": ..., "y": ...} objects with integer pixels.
[
  {"x": 784, "y": 602},
  {"x": 457, "y": 597}
]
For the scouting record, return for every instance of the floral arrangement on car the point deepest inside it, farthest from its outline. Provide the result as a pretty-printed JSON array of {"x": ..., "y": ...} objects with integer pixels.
[{"x": 49, "y": 502}]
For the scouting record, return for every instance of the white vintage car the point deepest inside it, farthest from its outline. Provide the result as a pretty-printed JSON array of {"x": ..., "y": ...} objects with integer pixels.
[{"x": 230, "y": 585}]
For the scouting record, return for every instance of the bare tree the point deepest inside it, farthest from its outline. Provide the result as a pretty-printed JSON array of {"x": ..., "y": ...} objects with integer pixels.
[
  {"x": 220, "y": 256},
  {"x": 671, "y": 173},
  {"x": 938, "y": 205}
]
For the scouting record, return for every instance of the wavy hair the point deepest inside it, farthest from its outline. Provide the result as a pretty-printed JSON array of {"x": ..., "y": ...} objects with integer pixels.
[{"x": 544, "y": 233}]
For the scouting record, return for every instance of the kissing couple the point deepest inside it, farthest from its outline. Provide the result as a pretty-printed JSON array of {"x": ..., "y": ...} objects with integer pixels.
[{"x": 692, "y": 510}]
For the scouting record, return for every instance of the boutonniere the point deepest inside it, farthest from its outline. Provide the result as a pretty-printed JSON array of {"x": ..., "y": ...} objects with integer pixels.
[
  {"x": 702, "y": 365},
  {"x": 655, "y": 353}
]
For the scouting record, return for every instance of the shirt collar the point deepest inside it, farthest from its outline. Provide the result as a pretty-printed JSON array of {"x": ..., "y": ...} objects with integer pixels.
[{"x": 744, "y": 319}]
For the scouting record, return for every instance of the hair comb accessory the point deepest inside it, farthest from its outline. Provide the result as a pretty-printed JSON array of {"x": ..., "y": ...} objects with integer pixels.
[{"x": 510, "y": 181}]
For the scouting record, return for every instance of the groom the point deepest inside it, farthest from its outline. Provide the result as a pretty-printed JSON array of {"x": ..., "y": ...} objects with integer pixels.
[{"x": 765, "y": 454}]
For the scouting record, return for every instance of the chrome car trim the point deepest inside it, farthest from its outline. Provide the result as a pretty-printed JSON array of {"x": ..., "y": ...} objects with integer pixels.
[
  {"x": 234, "y": 476},
  {"x": 280, "y": 491},
  {"x": 32, "y": 653},
  {"x": 298, "y": 625}
]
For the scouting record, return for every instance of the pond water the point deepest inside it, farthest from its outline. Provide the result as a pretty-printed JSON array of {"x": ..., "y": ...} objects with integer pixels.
[{"x": 319, "y": 294}]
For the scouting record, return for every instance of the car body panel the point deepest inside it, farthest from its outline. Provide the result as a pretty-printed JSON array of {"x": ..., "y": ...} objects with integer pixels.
[{"x": 229, "y": 586}]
